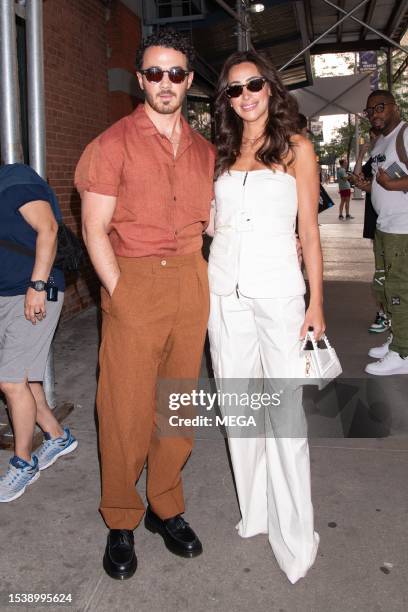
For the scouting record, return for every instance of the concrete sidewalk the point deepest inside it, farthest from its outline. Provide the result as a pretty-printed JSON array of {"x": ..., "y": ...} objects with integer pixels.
[{"x": 53, "y": 538}]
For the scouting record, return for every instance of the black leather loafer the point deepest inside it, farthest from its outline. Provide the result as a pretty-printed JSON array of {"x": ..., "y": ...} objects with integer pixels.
[
  {"x": 177, "y": 534},
  {"x": 119, "y": 560}
]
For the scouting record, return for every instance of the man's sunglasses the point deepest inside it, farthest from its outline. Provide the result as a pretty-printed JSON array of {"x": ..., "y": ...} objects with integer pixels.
[
  {"x": 155, "y": 74},
  {"x": 378, "y": 108},
  {"x": 254, "y": 85}
]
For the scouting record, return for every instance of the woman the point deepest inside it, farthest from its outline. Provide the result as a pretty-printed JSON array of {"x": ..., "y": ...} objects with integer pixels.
[
  {"x": 266, "y": 176},
  {"x": 344, "y": 190}
]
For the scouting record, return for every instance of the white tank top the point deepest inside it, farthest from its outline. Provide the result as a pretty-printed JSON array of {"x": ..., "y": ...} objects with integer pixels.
[
  {"x": 254, "y": 245},
  {"x": 391, "y": 206}
]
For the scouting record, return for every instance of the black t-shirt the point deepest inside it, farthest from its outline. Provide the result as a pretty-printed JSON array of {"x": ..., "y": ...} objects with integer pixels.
[{"x": 20, "y": 184}]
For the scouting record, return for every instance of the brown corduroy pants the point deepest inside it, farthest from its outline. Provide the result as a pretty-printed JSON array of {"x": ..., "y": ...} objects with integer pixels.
[{"x": 153, "y": 327}]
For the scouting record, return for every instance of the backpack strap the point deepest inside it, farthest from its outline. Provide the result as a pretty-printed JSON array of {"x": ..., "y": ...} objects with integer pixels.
[
  {"x": 400, "y": 147},
  {"x": 17, "y": 248}
]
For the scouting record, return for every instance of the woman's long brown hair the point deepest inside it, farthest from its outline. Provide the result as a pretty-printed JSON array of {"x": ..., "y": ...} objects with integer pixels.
[{"x": 282, "y": 121}]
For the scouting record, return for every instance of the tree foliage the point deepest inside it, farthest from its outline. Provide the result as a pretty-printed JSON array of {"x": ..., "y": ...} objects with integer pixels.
[
  {"x": 400, "y": 87},
  {"x": 343, "y": 143},
  {"x": 199, "y": 117}
]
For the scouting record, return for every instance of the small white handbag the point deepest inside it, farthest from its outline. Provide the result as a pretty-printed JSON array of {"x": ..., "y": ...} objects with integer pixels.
[{"x": 320, "y": 364}]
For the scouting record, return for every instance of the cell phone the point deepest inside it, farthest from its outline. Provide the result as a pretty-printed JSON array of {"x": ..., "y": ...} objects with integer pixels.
[
  {"x": 395, "y": 171},
  {"x": 52, "y": 290},
  {"x": 52, "y": 293}
]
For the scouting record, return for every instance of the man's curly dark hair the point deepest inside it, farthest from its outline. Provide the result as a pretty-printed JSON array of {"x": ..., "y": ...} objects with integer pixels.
[{"x": 171, "y": 39}]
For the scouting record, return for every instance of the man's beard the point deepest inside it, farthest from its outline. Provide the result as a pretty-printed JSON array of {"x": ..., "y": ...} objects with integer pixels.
[{"x": 164, "y": 108}]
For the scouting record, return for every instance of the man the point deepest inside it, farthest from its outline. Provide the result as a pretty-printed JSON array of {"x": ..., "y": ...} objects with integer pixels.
[
  {"x": 146, "y": 186},
  {"x": 28, "y": 238},
  {"x": 381, "y": 322},
  {"x": 389, "y": 195}
]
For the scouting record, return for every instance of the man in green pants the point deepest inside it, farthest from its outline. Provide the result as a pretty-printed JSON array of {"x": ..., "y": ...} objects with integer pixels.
[{"x": 389, "y": 195}]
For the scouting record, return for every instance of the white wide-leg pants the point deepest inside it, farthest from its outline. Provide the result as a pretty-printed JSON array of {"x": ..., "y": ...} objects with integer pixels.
[{"x": 259, "y": 338}]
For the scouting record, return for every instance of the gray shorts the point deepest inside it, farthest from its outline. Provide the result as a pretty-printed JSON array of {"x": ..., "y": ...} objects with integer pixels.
[{"x": 23, "y": 346}]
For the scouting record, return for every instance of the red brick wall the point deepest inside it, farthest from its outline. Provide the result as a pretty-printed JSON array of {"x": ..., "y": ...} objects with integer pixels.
[
  {"x": 124, "y": 32},
  {"x": 77, "y": 109},
  {"x": 82, "y": 39},
  {"x": 124, "y": 36},
  {"x": 120, "y": 105}
]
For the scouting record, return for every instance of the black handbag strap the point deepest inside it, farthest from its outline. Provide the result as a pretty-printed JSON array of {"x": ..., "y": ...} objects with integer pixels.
[
  {"x": 17, "y": 248},
  {"x": 399, "y": 145}
]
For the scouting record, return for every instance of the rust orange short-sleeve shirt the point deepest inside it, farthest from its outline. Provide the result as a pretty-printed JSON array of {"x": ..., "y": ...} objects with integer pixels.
[{"x": 163, "y": 202}]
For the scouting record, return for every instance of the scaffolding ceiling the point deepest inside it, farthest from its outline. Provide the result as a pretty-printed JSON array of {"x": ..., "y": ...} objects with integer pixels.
[
  {"x": 286, "y": 27},
  {"x": 390, "y": 17},
  {"x": 279, "y": 32}
]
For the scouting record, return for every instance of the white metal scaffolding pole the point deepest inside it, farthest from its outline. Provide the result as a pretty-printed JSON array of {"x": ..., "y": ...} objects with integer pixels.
[
  {"x": 357, "y": 193},
  {"x": 316, "y": 40},
  {"x": 36, "y": 130},
  {"x": 11, "y": 148},
  {"x": 392, "y": 43},
  {"x": 35, "y": 86},
  {"x": 346, "y": 15}
]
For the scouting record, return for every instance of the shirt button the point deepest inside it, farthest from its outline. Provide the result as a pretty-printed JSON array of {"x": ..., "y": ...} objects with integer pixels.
[{"x": 163, "y": 262}]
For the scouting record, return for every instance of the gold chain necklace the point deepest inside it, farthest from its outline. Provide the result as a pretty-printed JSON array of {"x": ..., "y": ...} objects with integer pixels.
[
  {"x": 170, "y": 137},
  {"x": 250, "y": 141}
]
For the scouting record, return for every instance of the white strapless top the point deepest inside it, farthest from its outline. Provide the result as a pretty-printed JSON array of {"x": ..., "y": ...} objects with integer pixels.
[{"x": 254, "y": 245}]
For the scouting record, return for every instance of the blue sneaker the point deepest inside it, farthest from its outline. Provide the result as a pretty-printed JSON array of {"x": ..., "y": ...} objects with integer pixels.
[
  {"x": 52, "y": 448},
  {"x": 19, "y": 476}
]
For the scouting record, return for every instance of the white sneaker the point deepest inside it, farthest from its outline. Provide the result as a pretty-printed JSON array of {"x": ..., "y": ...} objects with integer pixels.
[
  {"x": 378, "y": 352},
  {"x": 392, "y": 363}
]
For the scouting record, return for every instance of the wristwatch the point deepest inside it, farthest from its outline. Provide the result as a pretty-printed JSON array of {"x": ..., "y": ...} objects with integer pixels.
[{"x": 38, "y": 285}]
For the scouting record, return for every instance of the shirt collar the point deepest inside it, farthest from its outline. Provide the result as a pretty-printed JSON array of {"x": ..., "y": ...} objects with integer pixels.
[{"x": 146, "y": 125}]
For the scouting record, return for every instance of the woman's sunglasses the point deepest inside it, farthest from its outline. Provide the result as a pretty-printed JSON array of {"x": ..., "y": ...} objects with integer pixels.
[
  {"x": 155, "y": 74},
  {"x": 254, "y": 85}
]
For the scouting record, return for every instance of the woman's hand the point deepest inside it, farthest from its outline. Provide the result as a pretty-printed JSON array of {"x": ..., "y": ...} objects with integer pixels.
[
  {"x": 210, "y": 229},
  {"x": 314, "y": 318}
]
